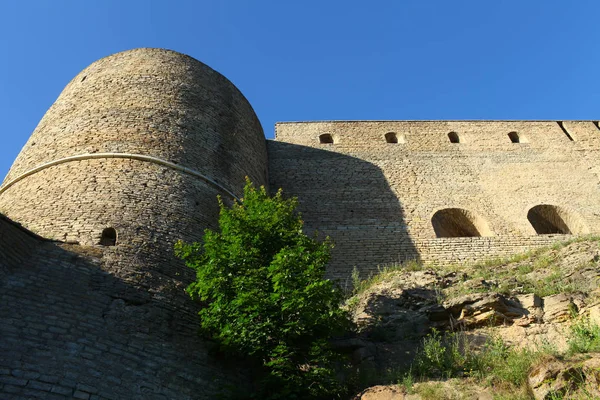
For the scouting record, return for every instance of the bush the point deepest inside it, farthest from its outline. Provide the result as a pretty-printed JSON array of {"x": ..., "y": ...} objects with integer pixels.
[
  {"x": 262, "y": 280},
  {"x": 585, "y": 336},
  {"x": 495, "y": 363}
]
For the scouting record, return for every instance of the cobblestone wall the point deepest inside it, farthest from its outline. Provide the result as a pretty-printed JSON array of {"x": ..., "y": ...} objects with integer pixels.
[
  {"x": 377, "y": 199},
  {"x": 71, "y": 328}
]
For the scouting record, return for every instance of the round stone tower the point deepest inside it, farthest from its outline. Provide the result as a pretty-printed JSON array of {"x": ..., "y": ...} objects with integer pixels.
[
  {"x": 133, "y": 153},
  {"x": 129, "y": 159}
]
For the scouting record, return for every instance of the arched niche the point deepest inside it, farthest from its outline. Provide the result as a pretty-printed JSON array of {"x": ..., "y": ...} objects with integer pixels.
[
  {"x": 549, "y": 219},
  {"x": 325, "y": 138},
  {"x": 393, "y": 137},
  {"x": 515, "y": 137},
  {"x": 453, "y": 137},
  {"x": 109, "y": 237},
  {"x": 457, "y": 222}
]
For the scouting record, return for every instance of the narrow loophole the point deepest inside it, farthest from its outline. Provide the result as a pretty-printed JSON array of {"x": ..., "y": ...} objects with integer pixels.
[
  {"x": 453, "y": 136},
  {"x": 514, "y": 137}
]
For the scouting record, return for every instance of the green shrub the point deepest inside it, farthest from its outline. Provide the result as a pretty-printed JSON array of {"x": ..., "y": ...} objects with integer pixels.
[
  {"x": 443, "y": 356},
  {"x": 584, "y": 337},
  {"x": 262, "y": 282},
  {"x": 501, "y": 364},
  {"x": 452, "y": 356}
]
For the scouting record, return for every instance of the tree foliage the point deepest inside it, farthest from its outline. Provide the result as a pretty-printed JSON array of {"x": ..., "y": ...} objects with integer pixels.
[{"x": 262, "y": 281}]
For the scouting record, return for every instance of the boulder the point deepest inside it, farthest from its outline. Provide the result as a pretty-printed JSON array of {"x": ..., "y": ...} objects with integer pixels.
[{"x": 481, "y": 309}]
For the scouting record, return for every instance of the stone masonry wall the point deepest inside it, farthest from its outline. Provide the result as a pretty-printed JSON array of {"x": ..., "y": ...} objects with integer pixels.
[
  {"x": 71, "y": 328},
  {"x": 376, "y": 199},
  {"x": 157, "y": 103},
  {"x": 151, "y": 103},
  {"x": 143, "y": 142}
]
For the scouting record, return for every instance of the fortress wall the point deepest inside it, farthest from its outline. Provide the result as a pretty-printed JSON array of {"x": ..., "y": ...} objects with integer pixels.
[
  {"x": 494, "y": 179},
  {"x": 448, "y": 251},
  {"x": 72, "y": 329}
]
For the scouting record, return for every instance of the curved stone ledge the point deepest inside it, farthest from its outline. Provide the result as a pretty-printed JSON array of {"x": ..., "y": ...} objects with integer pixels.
[{"x": 138, "y": 157}]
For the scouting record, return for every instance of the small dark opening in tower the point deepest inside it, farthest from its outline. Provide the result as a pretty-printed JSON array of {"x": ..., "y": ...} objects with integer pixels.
[
  {"x": 83, "y": 79},
  {"x": 514, "y": 137},
  {"x": 453, "y": 136},
  {"x": 391, "y": 137},
  {"x": 325, "y": 138},
  {"x": 109, "y": 237},
  {"x": 562, "y": 126},
  {"x": 546, "y": 220}
]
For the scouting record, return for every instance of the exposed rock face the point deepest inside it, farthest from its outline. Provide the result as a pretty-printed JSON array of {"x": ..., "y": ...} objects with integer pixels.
[
  {"x": 558, "y": 379},
  {"x": 395, "y": 314},
  {"x": 381, "y": 393},
  {"x": 451, "y": 389}
]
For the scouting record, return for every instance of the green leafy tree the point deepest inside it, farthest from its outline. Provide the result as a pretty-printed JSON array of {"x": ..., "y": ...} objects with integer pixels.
[{"x": 262, "y": 281}]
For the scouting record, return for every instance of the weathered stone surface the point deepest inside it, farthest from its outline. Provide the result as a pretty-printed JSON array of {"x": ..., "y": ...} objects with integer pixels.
[
  {"x": 594, "y": 314},
  {"x": 143, "y": 142},
  {"x": 566, "y": 379},
  {"x": 561, "y": 307},
  {"x": 529, "y": 301},
  {"x": 404, "y": 308},
  {"x": 473, "y": 310},
  {"x": 450, "y": 389},
  {"x": 381, "y": 393}
]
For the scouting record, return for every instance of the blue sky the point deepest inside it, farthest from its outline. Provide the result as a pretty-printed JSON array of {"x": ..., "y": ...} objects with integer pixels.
[{"x": 321, "y": 60}]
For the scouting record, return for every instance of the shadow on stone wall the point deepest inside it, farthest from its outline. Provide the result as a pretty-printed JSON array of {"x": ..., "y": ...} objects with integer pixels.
[
  {"x": 347, "y": 199},
  {"x": 67, "y": 325}
]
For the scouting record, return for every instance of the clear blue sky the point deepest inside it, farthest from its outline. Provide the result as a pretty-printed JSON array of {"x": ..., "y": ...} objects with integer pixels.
[{"x": 321, "y": 60}]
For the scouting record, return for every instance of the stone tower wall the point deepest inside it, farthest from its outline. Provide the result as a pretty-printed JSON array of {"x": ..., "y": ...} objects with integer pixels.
[
  {"x": 71, "y": 330},
  {"x": 377, "y": 199},
  {"x": 142, "y": 141}
]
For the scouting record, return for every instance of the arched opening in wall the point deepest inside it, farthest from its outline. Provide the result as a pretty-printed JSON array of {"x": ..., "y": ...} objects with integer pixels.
[
  {"x": 457, "y": 222},
  {"x": 109, "y": 237},
  {"x": 453, "y": 136},
  {"x": 393, "y": 137},
  {"x": 547, "y": 219},
  {"x": 514, "y": 137},
  {"x": 325, "y": 138}
]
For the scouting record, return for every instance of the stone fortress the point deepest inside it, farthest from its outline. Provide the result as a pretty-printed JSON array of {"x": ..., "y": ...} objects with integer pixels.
[{"x": 131, "y": 158}]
